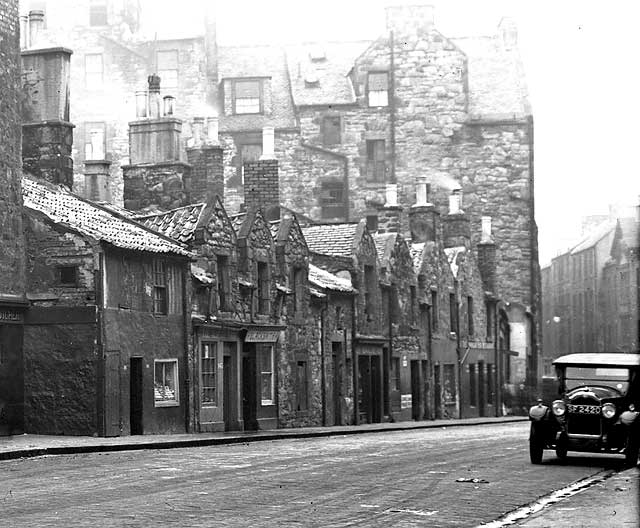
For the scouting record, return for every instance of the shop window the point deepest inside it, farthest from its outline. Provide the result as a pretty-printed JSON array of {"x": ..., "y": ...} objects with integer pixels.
[
  {"x": 332, "y": 199},
  {"x": 473, "y": 401},
  {"x": 93, "y": 71},
  {"x": 159, "y": 287},
  {"x": 95, "y": 140},
  {"x": 449, "y": 383},
  {"x": 265, "y": 355},
  {"x": 376, "y": 164},
  {"x": 264, "y": 289},
  {"x": 167, "y": 66},
  {"x": 165, "y": 384},
  {"x": 68, "y": 275},
  {"x": 222, "y": 265},
  {"x": 247, "y": 97},
  {"x": 98, "y": 13},
  {"x": 331, "y": 130},
  {"x": 378, "y": 88},
  {"x": 208, "y": 371},
  {"x": 302, "y": 386},
  {"x": 470, "y": 326}
]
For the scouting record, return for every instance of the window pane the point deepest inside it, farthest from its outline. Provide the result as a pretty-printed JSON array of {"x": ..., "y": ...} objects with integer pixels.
[
  {"x": 208, "y": 367},
  {"x": 379, "y": 98},
  {"x": 165, "y": 382},
  {"x": 378, "y": 81},
  {"x": 265, "y": 359},
  {"x": 247, "y": 89}
]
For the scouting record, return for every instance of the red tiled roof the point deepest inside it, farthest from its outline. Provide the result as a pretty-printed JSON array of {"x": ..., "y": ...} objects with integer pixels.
[
  {"x": 334, "y": 240},
  {"x": 89, "y": 219},
  {"x": 179, "y": 224}
]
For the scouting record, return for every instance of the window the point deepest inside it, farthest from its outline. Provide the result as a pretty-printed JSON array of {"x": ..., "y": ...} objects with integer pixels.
[
  {"x": 165, "y": 382},
  {"x": 470, "y": 327},
  {"x": 412, "y": 307},
  {"x": 222, "y": 264},
  {"x": 395, "y": 373},
  {"x": 331, "y": 127},
  {"x": 378, "y": 89},
  {"x": 68, "y": 275},
  {"x": 302, "y": 386},
  {"x": 434, "y": 310},
  {"x": 95, "y": 140},
  {"x": 247, "y": 97},
  {"x": 265, "y": 358},
  {"x": 98, "y": 13},
  {"x": 453, "y": 313},
  {"x": 159, "y": 287},
  {"x": 332, "y": 199},
  {"x": 376, "y": 165},
  {"x": 449, "y": 383},
  {"x": 297, "y": 287},
  {"x": 167, "y": 66},
  {"x": 208, "y": 370},
  {"x": 490, "y": 319},
  {"x": 369, "y": 286},
  {"x": 263, "y": 288},
  {"x": 93, "y": 71},
  {"x": 372, "y": 222},
  {"x": 472, "y": 385}
]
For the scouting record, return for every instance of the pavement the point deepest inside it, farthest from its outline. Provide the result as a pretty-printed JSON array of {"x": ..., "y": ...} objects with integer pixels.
[{"x": 612, "y": 501}]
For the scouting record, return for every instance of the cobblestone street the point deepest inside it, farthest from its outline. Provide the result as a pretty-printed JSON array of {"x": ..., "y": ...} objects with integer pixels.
[{"x": 388, "y": 479}]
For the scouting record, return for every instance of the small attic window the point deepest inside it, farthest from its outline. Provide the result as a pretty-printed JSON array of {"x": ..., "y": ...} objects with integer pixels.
[
  {"x": 317, "y": 54},
  {"x": 68, "y": 275}
]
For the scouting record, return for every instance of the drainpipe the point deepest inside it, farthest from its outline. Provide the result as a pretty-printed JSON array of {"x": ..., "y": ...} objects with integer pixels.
[
  {"x": 100, "y": 283},
  {"x": 323, "y": 389},
  {"x": 186, "y": 327},
  {"x": 392, "y": 106},
  {"x": 458, "y": 350},
  {"x": 390, "y": 330},
  {"x": 430, "y": 397},
  {"x": 354, "y": 360}
]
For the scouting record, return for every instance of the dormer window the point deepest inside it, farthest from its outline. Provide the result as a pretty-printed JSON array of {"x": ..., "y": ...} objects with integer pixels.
[
  {"x": 98, "y": 13},
  {"x": 247, "y": 97},
  {"x": 378, "y": 89}
]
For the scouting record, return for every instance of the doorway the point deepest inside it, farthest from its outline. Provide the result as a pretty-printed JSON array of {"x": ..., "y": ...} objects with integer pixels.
[
  {"x": 415, "y": 389},
  {"x": 437, "y": 391},
  {"x": 336, "y": 355},
  {"x": 481, "y": 388},
  {"x": 135, "y": 395},
  {"x": 425, "y": 387},
  {"x": 369, "y": 388},
  {"x": 249, "y": 386}
]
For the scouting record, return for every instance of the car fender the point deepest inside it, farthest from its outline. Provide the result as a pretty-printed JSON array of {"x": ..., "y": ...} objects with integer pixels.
[
  {"x": 629, "y": 417},
  {"x": 538, "y": 412}
]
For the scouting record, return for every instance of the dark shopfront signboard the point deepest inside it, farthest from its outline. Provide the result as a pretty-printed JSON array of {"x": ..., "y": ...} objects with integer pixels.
[
  {"x": 10, "y": 316},
  {"x": 261, "y": 336}
]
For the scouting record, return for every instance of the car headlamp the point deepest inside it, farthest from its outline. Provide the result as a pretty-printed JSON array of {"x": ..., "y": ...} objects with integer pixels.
[
  {"x": 558, "y": 407},
  {"x": 608, "y": 410}
]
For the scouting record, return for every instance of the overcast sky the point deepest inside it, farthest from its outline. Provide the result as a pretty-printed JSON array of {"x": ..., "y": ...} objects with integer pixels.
[{"x": 581, "y": 61}]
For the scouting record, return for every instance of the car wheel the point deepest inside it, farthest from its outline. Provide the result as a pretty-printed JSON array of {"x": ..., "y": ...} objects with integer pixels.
[
  {"x": 631, "y": 451},
  {"x": 536, "y": 446}
]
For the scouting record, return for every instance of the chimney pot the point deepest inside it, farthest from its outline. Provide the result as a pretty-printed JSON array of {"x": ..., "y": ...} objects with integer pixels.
[
  {"x": 268, "y": 143},
  {"x": 154, "y": 96},
  {"x": 486, "y": 230},
  {"x": 212, "y": 130},
  {"x": 391, "y": 194},
  {"x": 455, "y": 201},
  {"x": 169, "y": 105},
  {"x": 422, "y": 193},
  {"x": 196, "y": 131},
  {"x": 24, "y": 32},
  {"x": 36, "y": 25}
]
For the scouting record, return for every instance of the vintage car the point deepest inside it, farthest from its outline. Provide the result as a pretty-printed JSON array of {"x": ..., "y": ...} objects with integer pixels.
[{"x": 596, "y": 411}]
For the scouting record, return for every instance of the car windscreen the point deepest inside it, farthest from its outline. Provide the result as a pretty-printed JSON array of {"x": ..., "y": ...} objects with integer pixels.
[{"x": 614, "y": 377}]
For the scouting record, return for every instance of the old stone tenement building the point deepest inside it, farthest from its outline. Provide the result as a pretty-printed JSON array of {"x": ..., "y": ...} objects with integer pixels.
[{"x": 339, "y": 245}]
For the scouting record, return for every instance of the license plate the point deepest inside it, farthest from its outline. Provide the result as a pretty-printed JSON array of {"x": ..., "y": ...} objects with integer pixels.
[{"x": 583, "y": 409}]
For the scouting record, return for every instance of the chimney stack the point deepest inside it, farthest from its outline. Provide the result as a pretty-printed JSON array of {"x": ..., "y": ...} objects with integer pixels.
[
  {"x": 261, "y": 180},
  {"x": 96, "y": 180},
  {"x": 456, "y": 225},
  {"x": 423, "y": 216},
  {"x": 156, "y": 178},
  {"x": 211, "y": 53},
  {"x": 47, "y": 134},
  {"x": 487, "y": 256},
  {"x": 390, "y": 215},
  {"x": 205, "y": 155},
  {"x": 36, "y": 27}
]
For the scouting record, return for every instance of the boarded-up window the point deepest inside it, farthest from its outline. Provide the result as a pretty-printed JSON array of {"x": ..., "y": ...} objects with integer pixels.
[
  {"x": 376, "y": 164},
  {"x": 378, "y": 88},
  {"x": 165, "y": 384},
  {"x": 247, "y": 97},
  {"x": 167, "y": 61},
  {"x": 93, "y": 70},
  {"x": 331, "y": 128},
  {"x": 208, "y": 378},
  {"x": 332, "y": 199}
]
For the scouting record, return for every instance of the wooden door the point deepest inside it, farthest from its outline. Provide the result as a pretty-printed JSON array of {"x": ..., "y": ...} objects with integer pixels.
[
  {"x": 112, "y": 393},
  {"x": 415, "y": 390},
  {"x": 135, "y": 396},
  {"x": 481, "y": 389}
]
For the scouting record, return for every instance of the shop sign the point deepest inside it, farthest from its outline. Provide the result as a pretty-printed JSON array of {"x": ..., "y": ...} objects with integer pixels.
[
  {"x": 10, "y": 316},
  {"x": 262, "y": 336}
]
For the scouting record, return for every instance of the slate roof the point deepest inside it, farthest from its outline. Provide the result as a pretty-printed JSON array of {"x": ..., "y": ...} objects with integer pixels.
[
  {"x": 334, "y": 240},
  {"x": 594, "y": 236},
  {"x": 332, "y": 86},
  {"x": 258, "y": 61},
  {"x": 179, "y": 224},
  {"x": 65, "y": 208},
  {"x": 328, "y": 281},
  {"x": 497, "y": 84}
]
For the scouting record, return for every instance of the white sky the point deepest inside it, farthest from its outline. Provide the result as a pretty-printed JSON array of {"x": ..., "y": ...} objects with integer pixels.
[{"x": 581, "y": 62}]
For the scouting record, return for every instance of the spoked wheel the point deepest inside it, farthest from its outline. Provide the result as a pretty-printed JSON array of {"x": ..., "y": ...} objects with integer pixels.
[
  {"x": 631, "y": 450},
  {"x": 536, "y": 446}
]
